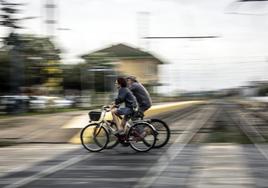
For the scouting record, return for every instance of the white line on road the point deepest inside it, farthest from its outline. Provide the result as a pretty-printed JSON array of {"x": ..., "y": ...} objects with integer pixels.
[
  {"x": 156, "y": 170},
  {"x": 82, "y": 120},
  {"x": 48, "y": 171}
]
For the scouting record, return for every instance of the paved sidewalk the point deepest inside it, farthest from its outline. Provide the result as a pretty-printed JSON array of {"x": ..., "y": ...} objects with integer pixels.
[{"x": 38, "y": 128}]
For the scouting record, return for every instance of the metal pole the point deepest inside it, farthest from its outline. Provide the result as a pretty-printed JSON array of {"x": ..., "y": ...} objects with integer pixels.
[{"x": 50, "y": 17}]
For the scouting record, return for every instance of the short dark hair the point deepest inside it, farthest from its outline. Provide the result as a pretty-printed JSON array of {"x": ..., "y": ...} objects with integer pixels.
[
  {"x": 122, "y": 81},
  {"x": 132, "y": 78}
]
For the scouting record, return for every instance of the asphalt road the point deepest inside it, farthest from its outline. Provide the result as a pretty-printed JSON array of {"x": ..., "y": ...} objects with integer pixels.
[{"x": 184, "y": 162}]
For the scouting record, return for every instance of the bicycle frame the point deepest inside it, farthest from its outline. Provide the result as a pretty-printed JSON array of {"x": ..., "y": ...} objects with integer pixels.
[
  {"x": 105, "y": 123},
  {"x": 134, "y": 133}
]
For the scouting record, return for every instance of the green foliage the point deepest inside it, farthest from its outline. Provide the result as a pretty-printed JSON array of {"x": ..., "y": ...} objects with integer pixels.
[
  {"x": 263, "y": 91},
  {"x": 4, "y": 71},
  {"x": 99, "y": 74},
  {"x": 40, "y": 60},
  {"x": 84, "y": 76},
  {"x": 9, "y": 13},
  {"x": 72, "y": 76}
]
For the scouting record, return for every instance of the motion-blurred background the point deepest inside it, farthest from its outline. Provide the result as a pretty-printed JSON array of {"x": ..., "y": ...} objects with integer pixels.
[
  {"x": 66, "y": 54},
  {"x": 204, "y": 63}
]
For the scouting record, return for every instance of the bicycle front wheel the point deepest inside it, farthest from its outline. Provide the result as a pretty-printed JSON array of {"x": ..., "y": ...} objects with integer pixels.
[
  {"x": 141, "y": 137},
  {"x": 94, "y": 137}
]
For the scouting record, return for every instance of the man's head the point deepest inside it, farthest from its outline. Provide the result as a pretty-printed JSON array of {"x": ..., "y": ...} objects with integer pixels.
[
  {"x": 131, "y": 80},
  {"x": 121, "y": 82}
]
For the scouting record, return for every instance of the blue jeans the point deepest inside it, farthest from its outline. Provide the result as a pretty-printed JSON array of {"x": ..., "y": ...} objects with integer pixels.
[{"x": 124, "y": 111}]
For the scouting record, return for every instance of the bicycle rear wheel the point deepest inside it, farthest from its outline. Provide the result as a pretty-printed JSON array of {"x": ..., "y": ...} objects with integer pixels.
[
  {"x": 141, "y": 137},
  {"x": 94, "y": 137},
  {"x": 163, "y": 132}
]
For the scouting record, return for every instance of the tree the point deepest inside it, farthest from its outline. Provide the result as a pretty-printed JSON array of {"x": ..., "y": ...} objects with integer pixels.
[
  {"x": 9, "y": 20},
  {"x": 41, "y": 65},
  {"x": 8, "y": 16},
  {"x": 4, "y": 71},
  {"x": 71, "y": 77},
  {"x": 100, "y": 70},
  {"x": 42, "y": 62}
]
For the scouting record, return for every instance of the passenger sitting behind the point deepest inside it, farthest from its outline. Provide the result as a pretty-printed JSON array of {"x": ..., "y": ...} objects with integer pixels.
[
  {"x": 140, "y": 93},
  {"x": 124, "y": 97}
]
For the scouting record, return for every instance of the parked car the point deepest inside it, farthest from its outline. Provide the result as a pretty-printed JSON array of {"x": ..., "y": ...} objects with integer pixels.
[
  {"x": 46, "y": 102},
  {"x": 14, "y": 103},
  {"x": 62, "y": 102},
  {"x": 38, "y": 102}
]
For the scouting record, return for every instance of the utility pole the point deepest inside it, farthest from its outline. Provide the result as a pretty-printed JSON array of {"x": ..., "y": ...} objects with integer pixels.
[
  {"x": 53, "y": 81},
  {"x": 50, "y": 18},
  {"x": 143, "y": 22}
]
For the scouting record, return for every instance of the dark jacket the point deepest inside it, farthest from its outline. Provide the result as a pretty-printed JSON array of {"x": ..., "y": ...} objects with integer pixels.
[
  {"x": 125, "y": 96},
  {"x": 141, "y": 94}
]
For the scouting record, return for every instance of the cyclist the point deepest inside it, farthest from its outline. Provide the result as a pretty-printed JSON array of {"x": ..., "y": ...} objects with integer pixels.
[
  {"x": 124, "y": 96},
  {"x": 141, "y": 94}
]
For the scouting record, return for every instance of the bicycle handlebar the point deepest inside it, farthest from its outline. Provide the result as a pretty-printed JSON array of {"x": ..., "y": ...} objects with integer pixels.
[{"x": 108, "y": 108}]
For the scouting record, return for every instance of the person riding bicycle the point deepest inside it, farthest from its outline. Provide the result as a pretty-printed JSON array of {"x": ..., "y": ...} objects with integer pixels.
[
  {"x": 126, "y": 97},
  {"x": 141, "y": 94}
]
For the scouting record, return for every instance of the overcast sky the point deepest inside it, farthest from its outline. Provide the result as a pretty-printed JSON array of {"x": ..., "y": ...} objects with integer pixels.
[{"x": 238, "y": 56}]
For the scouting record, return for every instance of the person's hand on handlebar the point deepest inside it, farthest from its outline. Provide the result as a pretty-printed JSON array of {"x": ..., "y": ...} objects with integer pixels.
[
  {"x": 106, "y": 107},
  {"x": 113, "y": 105}
]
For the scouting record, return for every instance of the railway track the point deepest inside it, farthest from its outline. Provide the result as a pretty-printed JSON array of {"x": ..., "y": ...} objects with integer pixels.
[
  {"x": 179, "y": 164},
  {"x": 254, "y": 126},
  {"x": 194, "y": 121},
  {"x": 121, "y": 165}
]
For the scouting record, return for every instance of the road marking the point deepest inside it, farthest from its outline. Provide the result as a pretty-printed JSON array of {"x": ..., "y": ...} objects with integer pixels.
[
  {"x": 221, "y": 166},
  {"x": 170, "y": 106},
  {"x": 48, "y": 171},
  {"x": 173, "y": 151},
  {"x": 76, "y": 122},
  {"x": 82, "y": 120},
  {"x": 30, "y": 155}
]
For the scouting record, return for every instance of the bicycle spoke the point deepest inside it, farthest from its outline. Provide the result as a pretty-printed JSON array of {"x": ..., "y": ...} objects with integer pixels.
[
  {"x": 141, "y": 137},
  {"x": 94, "y": 137}
]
